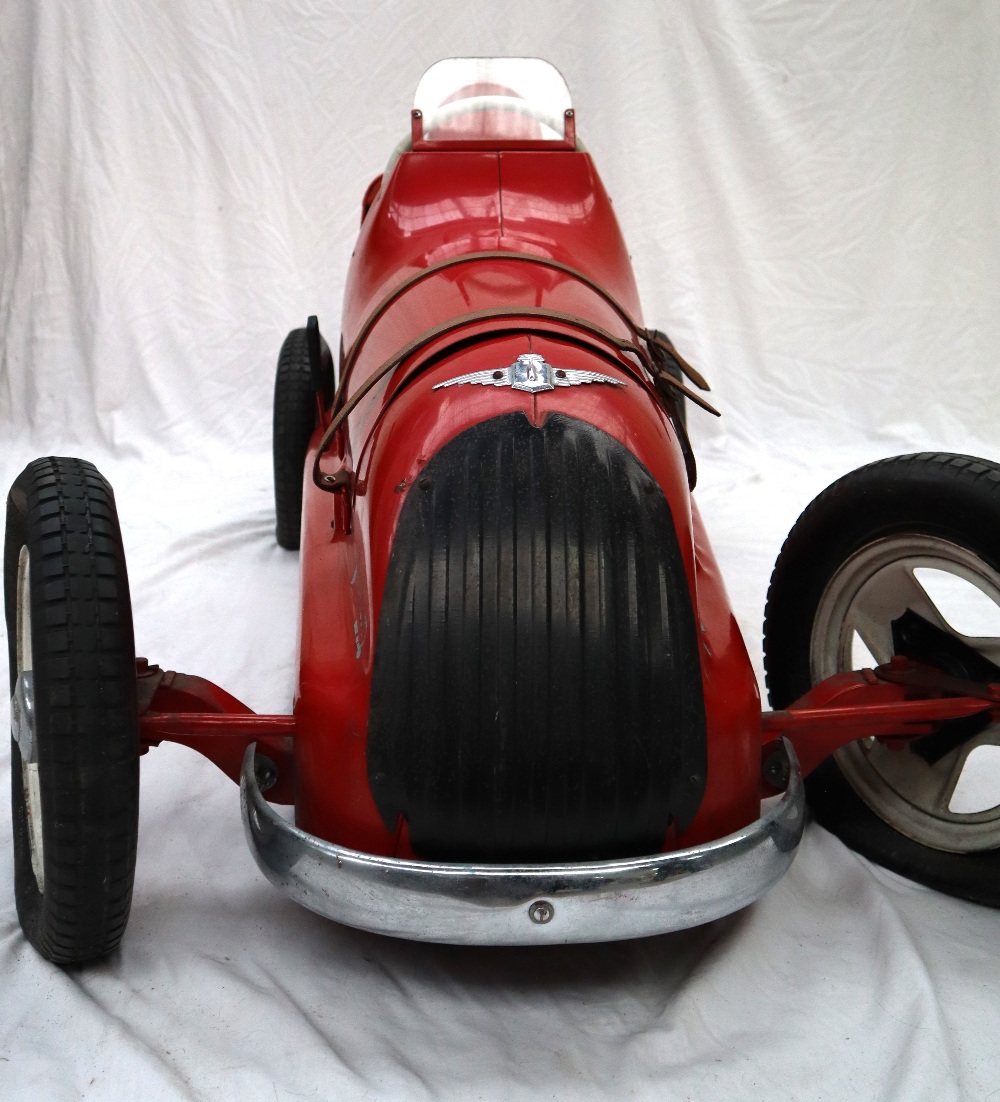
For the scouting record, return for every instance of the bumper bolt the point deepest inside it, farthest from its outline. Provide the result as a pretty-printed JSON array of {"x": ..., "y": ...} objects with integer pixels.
[
  {"x": 541, "y": 912},
  {"x": 776, "y": 770}
]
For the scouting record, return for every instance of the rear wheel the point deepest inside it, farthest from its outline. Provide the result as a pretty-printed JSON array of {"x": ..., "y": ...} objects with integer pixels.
[
  {"x": 75, "y": 746},
  {"x": 295, "y": 413},
  {"x": 901, "y": 556}
]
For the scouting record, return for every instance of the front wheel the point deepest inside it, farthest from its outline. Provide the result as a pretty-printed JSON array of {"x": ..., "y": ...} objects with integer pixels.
[
  {"x": 901, "y": 556},
  {"x": 75, "y": 727}
]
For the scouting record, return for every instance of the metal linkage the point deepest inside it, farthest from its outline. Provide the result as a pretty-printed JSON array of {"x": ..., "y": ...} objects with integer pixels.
[
  {"x": 900, "y": 701},
  {"x": 191, "y": 711}
]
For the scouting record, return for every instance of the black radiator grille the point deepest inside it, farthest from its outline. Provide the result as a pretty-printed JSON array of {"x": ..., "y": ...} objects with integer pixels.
[{"x": 537, "y": 688}]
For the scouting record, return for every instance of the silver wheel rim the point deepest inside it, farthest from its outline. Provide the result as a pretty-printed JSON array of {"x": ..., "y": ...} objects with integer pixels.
[
  {"x": 874, "y": 587},
  {"x": 29, "y": 770}
]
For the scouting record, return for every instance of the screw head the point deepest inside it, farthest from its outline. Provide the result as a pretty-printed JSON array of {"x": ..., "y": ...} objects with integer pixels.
[
  {"x": 265, "y": 772},
  {"x": 541, "y": 912},
  {"x": 776, "y": 770}
]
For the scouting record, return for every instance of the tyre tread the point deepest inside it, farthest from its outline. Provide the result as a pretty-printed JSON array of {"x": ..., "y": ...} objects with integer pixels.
[{"x": 84, "y": 664}]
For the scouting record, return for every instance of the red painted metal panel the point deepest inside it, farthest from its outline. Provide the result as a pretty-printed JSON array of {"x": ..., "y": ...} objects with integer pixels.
[{"x": 555, "y": 204}]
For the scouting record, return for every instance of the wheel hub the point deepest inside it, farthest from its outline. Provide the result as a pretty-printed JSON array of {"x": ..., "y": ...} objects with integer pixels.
[
  {"x": 22, "y": 714},
  {"x": 875, "y": 587}
]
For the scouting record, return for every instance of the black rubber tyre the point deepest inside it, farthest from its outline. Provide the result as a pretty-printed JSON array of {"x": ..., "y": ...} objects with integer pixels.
[
  {"x": 294, "y": 421},
  {"x": 948, "y": 497},
  {"x": 61, "y": 520}
]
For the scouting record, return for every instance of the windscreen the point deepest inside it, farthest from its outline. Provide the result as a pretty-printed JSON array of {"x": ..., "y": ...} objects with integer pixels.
[{"x": 493, "y": 99}]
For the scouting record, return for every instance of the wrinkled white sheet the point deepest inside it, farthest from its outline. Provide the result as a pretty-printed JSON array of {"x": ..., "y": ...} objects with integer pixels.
[{"x": 809, "y": 191}]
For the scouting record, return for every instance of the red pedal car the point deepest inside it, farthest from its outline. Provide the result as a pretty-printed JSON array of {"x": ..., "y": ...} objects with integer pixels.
[{"x": 524, "y": 711}]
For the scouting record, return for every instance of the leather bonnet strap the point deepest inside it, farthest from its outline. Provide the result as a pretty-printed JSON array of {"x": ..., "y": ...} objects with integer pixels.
[{"x": 524, "y": 319}]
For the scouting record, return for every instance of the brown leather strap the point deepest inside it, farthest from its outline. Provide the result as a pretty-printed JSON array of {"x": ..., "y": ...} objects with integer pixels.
[
  {"x": 654, "y": 336},
  {"x": 504, "y": 254},
  {"x": 516, "y": 319}
]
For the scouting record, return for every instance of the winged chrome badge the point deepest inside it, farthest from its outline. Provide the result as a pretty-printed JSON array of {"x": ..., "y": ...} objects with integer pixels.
[{"x": 532, "y": 373}]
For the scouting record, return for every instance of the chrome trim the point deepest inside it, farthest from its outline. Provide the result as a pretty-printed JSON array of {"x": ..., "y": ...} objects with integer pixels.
[
  {"x": 525, "y": 904},
  {"x": 531, "y": 373}
]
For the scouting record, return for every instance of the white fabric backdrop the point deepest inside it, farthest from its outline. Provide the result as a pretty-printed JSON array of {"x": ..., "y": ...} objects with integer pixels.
[{"x": 809, "y": 193}]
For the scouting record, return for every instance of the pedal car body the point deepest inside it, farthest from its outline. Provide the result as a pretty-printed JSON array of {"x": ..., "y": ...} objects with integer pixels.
[{"x": 524, "y": 713}]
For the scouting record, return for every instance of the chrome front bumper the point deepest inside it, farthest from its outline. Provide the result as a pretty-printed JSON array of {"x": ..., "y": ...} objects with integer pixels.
[{"x": 525, "y": 904}]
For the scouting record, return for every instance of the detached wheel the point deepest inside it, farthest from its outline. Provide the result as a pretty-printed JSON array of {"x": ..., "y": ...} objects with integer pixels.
[
  {"x": 75, "y": 745},
  {"x": 918, "y": 534},
  {"x": 295, "y": 414}
]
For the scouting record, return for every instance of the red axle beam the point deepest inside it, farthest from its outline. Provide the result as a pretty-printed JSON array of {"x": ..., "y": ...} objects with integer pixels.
[
  {"x": 191, "y": 711},
  {"x": 898, "y": 701}
]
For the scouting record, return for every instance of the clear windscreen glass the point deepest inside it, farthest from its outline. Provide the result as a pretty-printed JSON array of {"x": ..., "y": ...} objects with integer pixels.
[{"x": 493, "y": 99}]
